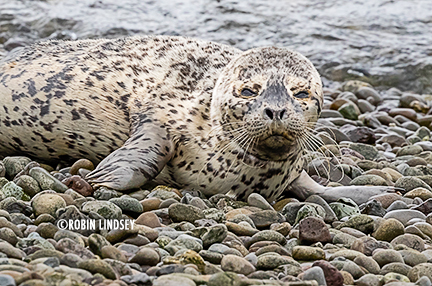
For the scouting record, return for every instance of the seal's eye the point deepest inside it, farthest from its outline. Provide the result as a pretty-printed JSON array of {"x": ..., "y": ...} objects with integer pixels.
[
  {"x": 246, "y": 92},
  {"x": 302, "y": 94}
]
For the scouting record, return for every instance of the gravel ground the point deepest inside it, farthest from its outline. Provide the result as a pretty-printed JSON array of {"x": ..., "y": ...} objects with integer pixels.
[{"x": 181, "y": 238}]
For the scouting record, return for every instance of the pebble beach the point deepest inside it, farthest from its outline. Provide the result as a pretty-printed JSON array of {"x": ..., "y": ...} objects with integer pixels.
[{"x": 181, "y": 238}]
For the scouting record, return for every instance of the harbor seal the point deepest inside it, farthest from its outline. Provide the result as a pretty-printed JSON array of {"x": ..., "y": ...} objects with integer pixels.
[{"x": 166, "y": 110}]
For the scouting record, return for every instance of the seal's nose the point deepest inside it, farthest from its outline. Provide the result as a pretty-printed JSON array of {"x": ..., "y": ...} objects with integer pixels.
[{"x": 271, "y": 114}]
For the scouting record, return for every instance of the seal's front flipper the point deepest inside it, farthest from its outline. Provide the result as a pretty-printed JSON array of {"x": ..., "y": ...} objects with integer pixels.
[
  {"x": 359, "y": 194},
  {"x": 304, "y": 186},
  {"x": 138, "y": 161}
]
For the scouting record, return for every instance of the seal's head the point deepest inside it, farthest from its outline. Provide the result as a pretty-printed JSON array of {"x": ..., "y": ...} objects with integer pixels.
[{"x": 265, "y": 100}]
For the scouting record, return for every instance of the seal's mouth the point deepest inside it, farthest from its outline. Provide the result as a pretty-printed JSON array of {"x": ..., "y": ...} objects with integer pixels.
[{"x": 275, "y": 147}]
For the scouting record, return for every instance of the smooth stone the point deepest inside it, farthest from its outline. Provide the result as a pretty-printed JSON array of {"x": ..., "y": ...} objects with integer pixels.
[
  {"x": 179, "y": 212},
  {"x": 330, "y": 216},
  {"x": 389, "y": 229},
  {"x": 98, "y": 266},
  {"x": 14, "y": 165},
  {"x": 29, "y": 185},
  {"x": 128, "y": 204},
  {"x": 7, "y": 280},
  {"x": 265, "y": 218},
  {"x": 234, "y": 263},
  {"x": 368, "y": 151},
  {"x": 146, "y": 256},
  {"x": 308, "y": 253},
  {"x": 149, "y": 219},
  {"x": 368, "y": 180},
  {"x": 67, "y": 245},
  {"x": 410, "y": 183},
  {"x": 47, "y": 204},
  {"x": 361, "y": 222},
  {"x": 332, "y": 276},
  {"x": 223, "y": 279},
  {"x": 315, "y": 273},
  {"x": 405, "y": 215},
  {"x": 46, "y": 180},
  {"x": 107, "y": 210},
  {"x": 184, "y": 242},
  {"x": 11, "y": 251},
  {"x": 312, "y": 230},
  {"x": 271, "y": 260},
  {"x": 367, "y": 245},
  {"x": 164, "y": 193},
  {"x": 11, "y": 190},
  {"x": 81, "y": 163},
  {"x": 395, "y": 267},
  {"x": 410, "y": 240},
  {"x": 423, "y": 269},
  {"x": 413, "y": 257},
  {"x": 256, "y": 200},
  {"x": 386, "y": 256},
  {"x": 150, "y": 204},
  {"x": 343, "y": 238},
  {"x": 267, "y": 235},
  {"x": 420, "y": 192},
  {"x": 368, "y": 263}
]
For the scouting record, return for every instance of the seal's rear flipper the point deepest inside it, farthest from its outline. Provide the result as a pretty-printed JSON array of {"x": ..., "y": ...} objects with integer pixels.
[
  {"x": 304, "y": 186},
  {"x": 138, "y": 161}
]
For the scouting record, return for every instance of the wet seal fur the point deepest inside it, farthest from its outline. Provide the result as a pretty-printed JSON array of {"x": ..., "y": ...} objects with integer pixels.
[{"x": 165, "y": 110}]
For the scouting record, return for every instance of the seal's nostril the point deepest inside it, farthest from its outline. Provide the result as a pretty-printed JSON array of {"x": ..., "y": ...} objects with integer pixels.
[
  {"x": 269, "y": 113},
  {"x": 282, "y": 113}
]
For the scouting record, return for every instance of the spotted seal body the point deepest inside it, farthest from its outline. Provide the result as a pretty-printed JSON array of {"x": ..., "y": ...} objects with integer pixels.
[{"x": 168, "y": 110}]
